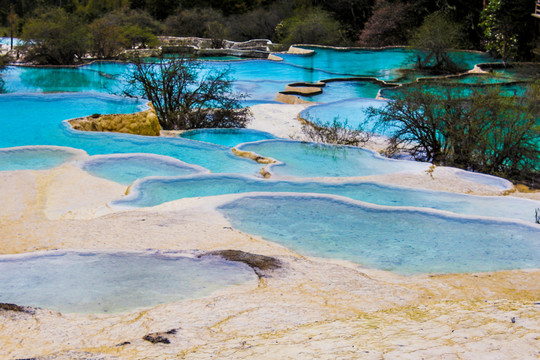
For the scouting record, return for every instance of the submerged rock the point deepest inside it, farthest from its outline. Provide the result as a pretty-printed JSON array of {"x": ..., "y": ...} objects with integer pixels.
[
  {"x": 16, "y": 308},
  {"x": 259, "y": 263},
  {"x": 159, "y": 337}
]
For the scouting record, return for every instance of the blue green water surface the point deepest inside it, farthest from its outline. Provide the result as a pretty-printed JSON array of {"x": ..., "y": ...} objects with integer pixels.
[
  {"x": 33, "y": 158},
  {"x": 339, "y": 90},
  {"x": 227, "y": 137},
  {"x": 408, "y": 241},
  {"x": 383, "y": 64},
  {"x": 402, "y": 241},
  {"x": 353, "y": 111},
  {"x": 36, "y": 119},
  {"x": 93, "y": 282},
  {"x": 303, "y": 159},
  {"x": 127, "y": 168},
  {"x": 155, "y": 191}
]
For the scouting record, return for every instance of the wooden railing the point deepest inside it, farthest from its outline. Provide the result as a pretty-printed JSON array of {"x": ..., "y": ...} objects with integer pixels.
[{"x": 537, "y": 9}]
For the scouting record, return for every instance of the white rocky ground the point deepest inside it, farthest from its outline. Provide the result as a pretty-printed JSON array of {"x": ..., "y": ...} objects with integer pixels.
[{"x": 309, "y": 309}]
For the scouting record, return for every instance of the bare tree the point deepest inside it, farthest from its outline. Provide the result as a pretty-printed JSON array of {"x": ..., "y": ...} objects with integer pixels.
[
  {"x": 476, "y": 128},
  {"x": 186, "y": 96},
  {"x": 335, "y": 132},
  {"x": 434, "y": 41}
]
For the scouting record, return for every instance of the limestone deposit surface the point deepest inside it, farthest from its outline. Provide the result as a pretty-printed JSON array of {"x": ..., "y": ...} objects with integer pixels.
[{"x": 308, "y": 308}]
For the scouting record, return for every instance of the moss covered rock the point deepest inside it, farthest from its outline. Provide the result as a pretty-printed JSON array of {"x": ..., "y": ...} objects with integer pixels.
[{"x": 141, "y": 123}]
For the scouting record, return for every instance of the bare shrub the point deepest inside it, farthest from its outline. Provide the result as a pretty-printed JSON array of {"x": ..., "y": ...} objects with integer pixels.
[
  {"x": 335, "y": 132},
  {"x": 186, "y": 96}
]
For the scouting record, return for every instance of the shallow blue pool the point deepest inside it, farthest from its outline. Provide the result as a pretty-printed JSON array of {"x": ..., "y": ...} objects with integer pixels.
[
  {"x": 383, "y": 64},
  {"x": 304, "y": 159},
  {"x": 341, "y": 90},
  {"x": 227, "y": 137},
  {"x": 69, "y": 79},
  {"x": 398, "y": 240},
  {"x": 36, "y": 157},
  {"x": 407, "y": 241},
  {"x": 155, "y": 191},
  {"x": 259, "y": 79},
  {"x": 94, "y": 282},
  {"x": 126, "y": 168},
  {"x": 36, "y": 119},
  {"x": 352, "y": 111}
]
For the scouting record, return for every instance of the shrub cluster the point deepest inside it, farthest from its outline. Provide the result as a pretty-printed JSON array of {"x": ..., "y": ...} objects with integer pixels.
[{"x": 480, "y": 128}]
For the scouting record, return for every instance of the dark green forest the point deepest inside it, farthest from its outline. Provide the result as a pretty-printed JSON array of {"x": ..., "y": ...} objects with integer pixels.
[{"x": 339, "y": 22}]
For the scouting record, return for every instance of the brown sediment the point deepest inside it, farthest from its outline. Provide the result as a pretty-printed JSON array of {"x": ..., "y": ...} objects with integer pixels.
[
  {"x": 293, "y": 91},
  {"x": 525, "y": 189},
  {"x": 170, "y": 133},
  {"x": 291, "y": 99},
  {"x": 250, "y": 155},
  {"x": 265, "y": 173},
  {"x": 306, "y": 89}
]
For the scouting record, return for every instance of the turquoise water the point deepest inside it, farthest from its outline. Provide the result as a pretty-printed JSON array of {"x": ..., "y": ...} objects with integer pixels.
[
  {"x": 7, "y": 41},
  {"x": 459, "y": 90},
  {"x": 125, "y": 169},
  {"x": 517, "y": 72},
  {"x": 266, "y": 76},
  {"x": 340, "y": 90},
  {"x": 35, "y": 158},
  {"x": 151, "y": 192},
  {"x": 382, "y": 64},
  {"x": 262, "y": 77},
  {"x": 402, "y": 241},
  {"x": 227, "y": 137},
  {"x": 37, "y": 120},
  {"x": 93, "y": 282},
  {"x": 259, "y": 91},
  {"x": 302, "y": 159},
  {"x": 480, "y": 79},
  {"x": 75, "y": 79},
  {"x": 109, "y": 77},
  {"x": 354, "y": 111}
]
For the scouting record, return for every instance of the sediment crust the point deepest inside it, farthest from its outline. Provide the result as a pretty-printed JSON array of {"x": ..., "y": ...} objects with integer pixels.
[
  {"x": 291, "y": 99},
  {"x": 251, "y": 155},
  {"x": 293, "y": 91}
]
